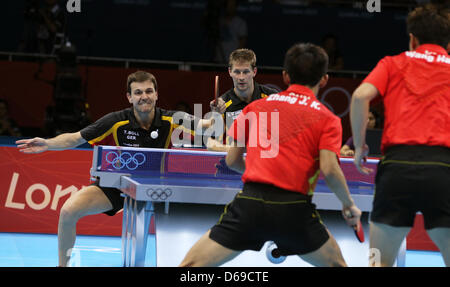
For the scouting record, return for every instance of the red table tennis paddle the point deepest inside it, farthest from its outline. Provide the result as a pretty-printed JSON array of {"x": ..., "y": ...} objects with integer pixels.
[
  {"x": 359, "y": 232},
  {"x": 358, "y": 229},
  {"x": 216, "y": 90}
]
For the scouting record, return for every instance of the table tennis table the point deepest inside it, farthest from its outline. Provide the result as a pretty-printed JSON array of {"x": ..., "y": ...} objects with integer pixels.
[{"x": 149, "y": 175}]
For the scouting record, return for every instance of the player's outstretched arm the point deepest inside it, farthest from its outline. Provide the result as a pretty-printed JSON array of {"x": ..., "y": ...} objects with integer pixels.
[
  {"x": 334, "y": 177},
  {"x": 359, "y": 113},
  {"x": 61, "y": 142}
]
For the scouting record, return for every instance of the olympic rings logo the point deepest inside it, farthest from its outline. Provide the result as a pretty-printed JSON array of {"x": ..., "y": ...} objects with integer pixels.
[
  {"x": 123, "y": 159},
  {"x": 159, "y": 193},
  {"x": 334, "y": 91}
]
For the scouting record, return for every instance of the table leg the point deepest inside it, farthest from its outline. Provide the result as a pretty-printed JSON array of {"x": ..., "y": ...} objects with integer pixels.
[
  {"x": 127, "y": 227},
  {"x": 401, "y": 257},
  {"x": 142, "y": 213},
  {"x": 166, "y": 207}
]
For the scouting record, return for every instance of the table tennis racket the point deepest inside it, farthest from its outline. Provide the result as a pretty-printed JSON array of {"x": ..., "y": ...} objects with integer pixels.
[
  {"x": 359, "y": 232},
  {"x": 216, "y": 90},
  {"x": 358, "y": 229}
]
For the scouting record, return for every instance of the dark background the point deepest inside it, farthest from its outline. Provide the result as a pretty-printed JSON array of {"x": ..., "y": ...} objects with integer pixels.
[
  {"x": 173, "y": 29},
  {"x": 155, "y": 32}
]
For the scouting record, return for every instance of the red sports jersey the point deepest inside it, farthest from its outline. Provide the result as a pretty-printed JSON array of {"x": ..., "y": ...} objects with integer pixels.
[
  {"x": 415, "y": 88},
  {"x": 283, "y": 134}
]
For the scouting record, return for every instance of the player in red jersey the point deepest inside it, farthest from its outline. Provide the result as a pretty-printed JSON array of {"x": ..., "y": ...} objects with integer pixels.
[
  {"x": 290, "y": 138},
  {"x": 414, "y": 172}
]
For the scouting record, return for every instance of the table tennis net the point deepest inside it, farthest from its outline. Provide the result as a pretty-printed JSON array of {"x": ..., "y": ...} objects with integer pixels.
[
  {"x": 189, "y": 163},
  {"x": 170, "y": 162}
]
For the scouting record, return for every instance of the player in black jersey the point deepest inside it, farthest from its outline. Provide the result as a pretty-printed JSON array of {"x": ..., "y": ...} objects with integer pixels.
[
  {"x": 242, "y": 69},
  {"x": 142, "y": 125}
]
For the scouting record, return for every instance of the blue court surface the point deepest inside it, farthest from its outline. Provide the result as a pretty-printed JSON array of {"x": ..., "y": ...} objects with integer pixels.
[{"x": 176, "y": 233}]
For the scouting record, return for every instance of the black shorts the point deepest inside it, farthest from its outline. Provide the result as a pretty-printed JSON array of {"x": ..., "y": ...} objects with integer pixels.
[
  {"x": 113, "y": 194},
  {"x": 411, "y": 179},
  {"x": 262, "y": 212}
]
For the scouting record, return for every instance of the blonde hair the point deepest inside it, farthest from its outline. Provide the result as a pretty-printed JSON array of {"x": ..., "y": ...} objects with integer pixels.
[{"x": 242, "y": 55}]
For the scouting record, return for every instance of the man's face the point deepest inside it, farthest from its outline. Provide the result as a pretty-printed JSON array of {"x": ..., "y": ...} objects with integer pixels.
[
  {"x": 242, "y": 75},
  {"x": 3, "y": 110},
  {"x": 371, "y": 121},
  {"x": 143, "y": 96}
]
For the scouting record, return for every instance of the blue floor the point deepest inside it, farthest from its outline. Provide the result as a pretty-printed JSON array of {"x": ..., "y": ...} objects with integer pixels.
[
  {"x": 40, "y": 250},
  {"x": 176, "y": 233},
  {"x": 415, "y": 258}
]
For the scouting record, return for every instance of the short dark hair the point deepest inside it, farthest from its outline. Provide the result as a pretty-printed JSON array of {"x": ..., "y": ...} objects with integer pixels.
[
  {"x": 430, "y": 24},
  {"x": 140, "y": 76},
  {"x": 306, "y": 64}
]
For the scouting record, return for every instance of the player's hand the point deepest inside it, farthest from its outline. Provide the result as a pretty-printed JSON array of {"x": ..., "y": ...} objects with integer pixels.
[
  {"x": 211, "y": 143},
  {"x": 352, "y": 215},
  {"x": 215, "y": 145},
  {"x": 348, "y": 152},
  {"x": 35, "y": 145},
  {"x": 223, "y": 169},
  {"x": 218, "y": 107},
  {"x": 360, "y": 158}
]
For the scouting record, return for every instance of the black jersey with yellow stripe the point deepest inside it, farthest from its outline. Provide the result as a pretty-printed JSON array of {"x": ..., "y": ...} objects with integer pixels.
[
  {"x": 122, "y": 129},
  {"x": 235, "y": 105}
]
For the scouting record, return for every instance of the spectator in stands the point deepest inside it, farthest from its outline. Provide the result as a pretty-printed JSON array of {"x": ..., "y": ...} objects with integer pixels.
[
  {"x": 43, "y": 27},
  {"x": 348, "y": 149},
  {"x": 330, "y": 44},
  {"x": 8, "y": 126},
  {"x": 232, "y": 33}
]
